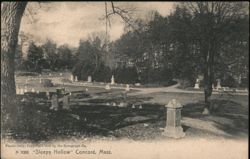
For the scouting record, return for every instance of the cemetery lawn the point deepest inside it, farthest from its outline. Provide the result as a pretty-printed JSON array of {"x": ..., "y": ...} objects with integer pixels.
[{"x": 114, "y": 115}]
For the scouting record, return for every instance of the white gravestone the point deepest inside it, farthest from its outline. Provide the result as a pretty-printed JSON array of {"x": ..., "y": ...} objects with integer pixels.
[
  {"x": 127, "y": 88},
  {"x": 107, "y": 87},
  {"x": 173, "y": 124},
  {"x": 72, "y": 78},
  {"x": 197, "y": 84},
  {"x": 32, "y": 90},
  {"x": 89, "y": 79},
  {"x": 112, "y": 80},
  {"x": 76, "y": 79},
  {"x": 218, "y": 84}
]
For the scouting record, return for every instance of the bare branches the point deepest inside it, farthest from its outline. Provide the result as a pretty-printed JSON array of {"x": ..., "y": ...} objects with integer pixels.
[{"x": 124, "y": 14}]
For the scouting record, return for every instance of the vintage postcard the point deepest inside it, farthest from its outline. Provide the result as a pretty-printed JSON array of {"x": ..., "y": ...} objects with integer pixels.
[{"x": 127, "y": 80}]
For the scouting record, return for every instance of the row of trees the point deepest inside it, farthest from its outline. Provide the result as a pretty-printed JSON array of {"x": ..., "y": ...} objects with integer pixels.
[
  {"x": 190, "y": 42},
  {"x": 46, "y": 56}
]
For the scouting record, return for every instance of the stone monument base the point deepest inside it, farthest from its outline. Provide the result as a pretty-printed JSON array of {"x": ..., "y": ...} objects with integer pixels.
[{"x": 174, "y": 132}]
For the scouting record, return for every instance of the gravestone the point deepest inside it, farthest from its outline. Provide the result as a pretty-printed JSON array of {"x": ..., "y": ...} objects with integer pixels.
[
  {"x": 72, "y": 78},
  {"x": 60, "y": 74},
  {"x": 218, "y": 84},
  {"x": 173, "y": 124},
  {"x": 49, "y": 74},
  {"x": 86, "y": 89},
  {"x": 197, "y": 84},
  {"x": 89, "y": 79},
  {"x": 47, "y": 95},
  {"x": 107, "y": 87},
  {"x": 127, "y": 88},
  {"x": 40, "y": 80},
  {"x": 76, "y": 79},
  {"x": 32, "y": 90},
  {"x": 112, "y": 80},
  {"x": 140, "y": 106},
  {"x": 65, "y": 102},
  {"x": 133, "y": 106},
  {"x": 54, "y": 102}
]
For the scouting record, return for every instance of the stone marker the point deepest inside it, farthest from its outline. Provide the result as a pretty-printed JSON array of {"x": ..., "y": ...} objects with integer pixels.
[
  {"x": 86, "y": 89},
  {"x": 173, "y": 124},
  {"x": 32, "y": 90},
  {"x": 54, "y": 102},
  {"x": 218, "y": 84},
  {"x": 140, "y": 106},
  {"x": 40, "y": 80},
  {"x": 89, "y": 79},
  {"x": 72, "y": 78},
  {"x": 107, "y": 87},
  {"x": 60, "y": 74},
  {"x": 40, "y": 75},
  {"x": 127, "y": 88},
  {"x": 66, "y": 102},
  {"x": 76, "y": 79},
  {"x": 133, "y": 106},
  {"x": 197, "y": 84},
  {"x": 49, "y": 74},
  {"x": 112, "y": 80},
  {"x": 47, "y": 95},
  {"x": 37, "y": 92}
]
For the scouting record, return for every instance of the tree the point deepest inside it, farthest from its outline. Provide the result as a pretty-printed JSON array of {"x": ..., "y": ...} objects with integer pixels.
[
  {"x": 210, "y": 24},
  {"x": 65, "y": 57},
  {"x": 50, "y": 54},
  {"x": 34, "y": 57},
  {"x": 11, "y": 14}
]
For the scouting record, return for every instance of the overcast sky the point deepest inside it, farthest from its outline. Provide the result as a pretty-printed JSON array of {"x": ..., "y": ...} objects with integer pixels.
[{"x": 68, "y": 22}]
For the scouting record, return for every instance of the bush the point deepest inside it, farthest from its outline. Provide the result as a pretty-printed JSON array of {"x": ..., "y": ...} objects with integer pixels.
[{"x": 126, "y": 75}]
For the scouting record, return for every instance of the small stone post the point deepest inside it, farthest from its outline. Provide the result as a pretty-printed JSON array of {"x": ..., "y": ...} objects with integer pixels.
[
  {"x": 197, "y": 84},
  {"x": 54, "y": 102},
  {"x": 173, "y": 123},
  {"x": 66, "y": 102},
  {"x": 127, "y": 88},
  {"x": 89, "y": 79},
  {"x": 218, "y": 84},
  {"x": 112, "y": 80}
]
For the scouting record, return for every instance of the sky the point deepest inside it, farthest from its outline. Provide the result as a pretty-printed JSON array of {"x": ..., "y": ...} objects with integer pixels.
[{"x": 68, "y": 22}]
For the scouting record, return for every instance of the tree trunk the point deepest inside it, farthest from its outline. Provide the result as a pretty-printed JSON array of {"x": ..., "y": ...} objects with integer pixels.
[
  {"x": 11, "y": 15},
  {"x": 208, "y": 78}
]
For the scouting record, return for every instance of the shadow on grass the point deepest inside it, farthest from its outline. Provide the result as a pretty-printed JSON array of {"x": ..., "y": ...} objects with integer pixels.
[{"x": 228, "y": 116}]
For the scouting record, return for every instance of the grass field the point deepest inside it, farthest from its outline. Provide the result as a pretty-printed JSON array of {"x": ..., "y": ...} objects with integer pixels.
[{"x": 116, "y": 114}]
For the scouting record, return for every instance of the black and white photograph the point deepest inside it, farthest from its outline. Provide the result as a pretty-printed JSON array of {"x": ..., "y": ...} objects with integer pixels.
[{"x": 124, "y": 79}]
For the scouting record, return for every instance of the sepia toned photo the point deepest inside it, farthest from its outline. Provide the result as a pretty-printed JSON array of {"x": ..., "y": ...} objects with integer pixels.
[{"x": 124, "y": 80}]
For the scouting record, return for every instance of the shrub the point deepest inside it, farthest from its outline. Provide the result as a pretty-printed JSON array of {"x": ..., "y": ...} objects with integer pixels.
[{"x": 126, "y": 75}]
